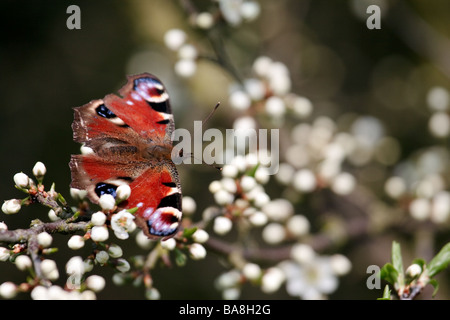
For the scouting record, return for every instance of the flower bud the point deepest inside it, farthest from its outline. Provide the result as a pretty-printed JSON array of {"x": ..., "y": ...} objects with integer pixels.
[
  {"x": 11, "y": 206},
  {"x": 222, "y": 225},
  {"x": 95, "y": 283},
  {"x": 52, "y": 215},
  {"x": 185, "y": 67},
  {"x": 44, "y": 239},
  {"x": 107, "y": 202},
  {"x": 152, "y": 294},
  {"x": 189, "y": 206},
  {"x": 4, "y": 254},
  {"x": 76, "y": 242},
  {"x": 23, "y": 262},
  {"x": 39, "y": 170},
  {"x": 114, "y": 251},
  {"x": 251, "y": 271},
  {"x": 414, "y": 270},
  {"x": 197, "y": 251},
  {"x": 200, "y": 236},
  {"x": 123, "y": 192},
  {"x": 78, "y": 194},
  {"x": 169, "y": 244},
  {"x": 49, "y": 269},
  {"x": 98, "y": 218},
  {"x": 123, "y": 265},
  {"x": 102, "y": 257},
  {"x": 99, "y": 233},
  {"x": 272, "y": 280},
  {"x": 174, "y": 38},
  {"x": 8, "y": 290},
  {"x": 21, "y": 180}
]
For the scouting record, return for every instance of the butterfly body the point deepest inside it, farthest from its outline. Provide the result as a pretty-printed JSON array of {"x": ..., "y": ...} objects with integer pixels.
[{"x": 129, "y": 139}]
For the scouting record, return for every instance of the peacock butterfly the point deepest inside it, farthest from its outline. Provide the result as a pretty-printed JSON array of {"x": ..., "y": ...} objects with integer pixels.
[{"x": 130, "y": 139}]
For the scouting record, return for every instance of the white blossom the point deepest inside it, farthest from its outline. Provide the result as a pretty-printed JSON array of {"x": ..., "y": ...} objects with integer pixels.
[
  {"x": 11, "y": 206},
  {"x": 115, "y": 251},
  {"x": 204, "y": 20},
  {"x": 273, "y": 233},
  {"x": 143, "y": 241},
  {"x": 174, "y": 38},
  {"x": 200, "y": 236},
  {"x": 251, "y": 271},
  {"x": 439, "y": 124},
  {"x": 49, "y": 269},
  {"x": 78, "y": 194},
  {"x": 438, "y": 99},
  {"x": 99, "y": 233},
  {"x": 23, "y": 262},
  {"x": 122, "y": 224},
  {"x": 123, "y": 192},
  {"x": 152, "y": 294},
  {"x": 123, "y": 265},
  {"x": 75, "y": 242},
  {"x": 98, "y": 218},
  {"x": 298, "y": 225},
  {"x": 102, "y": 257},
  {"x": 222, "y": 225},
  {"x": 420, "y": 209},
  {"x": 189, "y": 205},
  {"x": 340, "y": 264},
  {"x": 4, "y": 254},
  {"x": 169, "y": 244},
  {"x": 39, "y": 170},
  {"x": 309, "y": 281},
  {"x": 197, "y": 251},
  {"x": 258, "y": 218},
  {"x": 95, "y": 283},
  {"x": 239, "y": 100},
  {"x": 272, "y": 280},
  {"x": 343, "y": 184},
  {"x": 107, "y": 202},
  {"x": 21, "y": 180},
  {"x": 187, "y": 51},
  {"x": 414, "y": 270},
  {"x": 185, "y": 67},
  {"x": 8, "y": 290},
  {"x": 44, "y": 239},
  {"x": 304, "y": 180},
  {"x": 302, "y": 253},
  {"x": 278, "y": 209}
]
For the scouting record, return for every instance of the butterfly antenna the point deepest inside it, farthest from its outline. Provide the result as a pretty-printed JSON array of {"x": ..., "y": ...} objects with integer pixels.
[{"x": 211, "y": 113}]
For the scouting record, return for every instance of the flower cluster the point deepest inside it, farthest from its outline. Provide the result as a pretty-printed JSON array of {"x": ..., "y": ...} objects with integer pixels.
[
  {"x": 247, "y": 205},
  {"x": 84, "y": 225}
]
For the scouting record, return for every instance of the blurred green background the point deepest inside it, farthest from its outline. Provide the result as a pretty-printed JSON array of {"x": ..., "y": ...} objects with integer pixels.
[{"x": 334, "y": 60}]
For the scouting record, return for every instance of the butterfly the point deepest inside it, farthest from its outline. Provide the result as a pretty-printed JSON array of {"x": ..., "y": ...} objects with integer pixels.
[{"x": 129, "y": 142}]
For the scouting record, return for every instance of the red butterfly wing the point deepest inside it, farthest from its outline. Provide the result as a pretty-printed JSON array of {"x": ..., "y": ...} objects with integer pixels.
[{"x": 130, "y": 139}]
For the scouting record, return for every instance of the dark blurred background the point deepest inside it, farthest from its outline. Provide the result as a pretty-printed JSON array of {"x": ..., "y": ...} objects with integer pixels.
[{"x": 47, "y": 69}]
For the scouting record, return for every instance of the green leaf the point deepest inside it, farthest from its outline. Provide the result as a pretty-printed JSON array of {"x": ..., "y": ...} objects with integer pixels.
[
  {"x": 397, "y": 262},
  {"x": 133, "y": 210},
  {"x": 251, "y": 172},
  {"x": 389, "y": 273},
  {"x": 435, "y": 285},
  {"x": 420, "y": 262},
  {"x": 188, "y": 232},
  {"x": 180, "y": 258},
  {"x": 440, "y": 261},
  {"x": 386, "y": 294}
]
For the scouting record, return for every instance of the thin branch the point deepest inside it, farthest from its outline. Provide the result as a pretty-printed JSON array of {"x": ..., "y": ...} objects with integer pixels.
[{"x": 60, "y": 226}]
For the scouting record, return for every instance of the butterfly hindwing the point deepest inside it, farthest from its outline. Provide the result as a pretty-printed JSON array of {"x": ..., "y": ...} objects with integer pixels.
[{"x": 130, "y": 141}]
